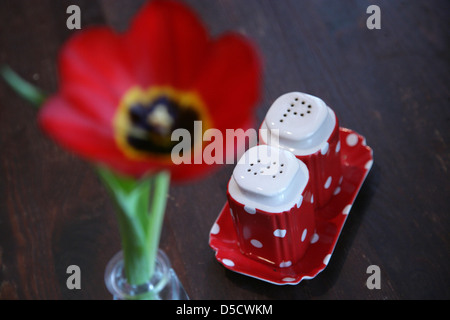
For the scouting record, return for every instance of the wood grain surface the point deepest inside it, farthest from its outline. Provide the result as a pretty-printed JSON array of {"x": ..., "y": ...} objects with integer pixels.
[{"x": 390, "y": 85}]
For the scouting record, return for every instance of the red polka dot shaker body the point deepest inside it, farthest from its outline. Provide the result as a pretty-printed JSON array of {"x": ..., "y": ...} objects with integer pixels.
[
  {"x": 307, "y": 127},
  {"x": 267, "y": 196}
]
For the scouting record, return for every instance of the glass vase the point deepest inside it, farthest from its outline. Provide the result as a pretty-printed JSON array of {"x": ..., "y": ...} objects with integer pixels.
[{"x": 164, "y": 284}]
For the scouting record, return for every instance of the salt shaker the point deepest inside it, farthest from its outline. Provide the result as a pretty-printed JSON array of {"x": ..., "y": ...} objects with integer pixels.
[
  {"x": 304, "y": 125},
  {"x": 266, "y": 195}
]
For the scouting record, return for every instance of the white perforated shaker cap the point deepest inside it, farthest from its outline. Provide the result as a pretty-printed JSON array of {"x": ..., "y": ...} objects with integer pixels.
[
  {"x": 298, "y": 122},
  {"x": 269, "y": 179}
]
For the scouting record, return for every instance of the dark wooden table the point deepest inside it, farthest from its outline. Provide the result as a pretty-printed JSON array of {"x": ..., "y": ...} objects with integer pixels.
[{"x": 391, "y": 85}]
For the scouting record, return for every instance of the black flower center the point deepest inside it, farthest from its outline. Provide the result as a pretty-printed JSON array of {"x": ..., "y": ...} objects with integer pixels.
[
  {"x": 145, "y": 120},
  {"x": 152, "y": 124}
]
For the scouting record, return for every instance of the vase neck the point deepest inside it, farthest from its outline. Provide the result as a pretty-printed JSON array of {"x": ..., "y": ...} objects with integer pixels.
[{"x": 118, "y": 286}]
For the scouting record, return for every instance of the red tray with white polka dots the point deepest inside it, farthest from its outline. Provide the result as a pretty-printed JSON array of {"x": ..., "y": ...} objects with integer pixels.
[{"x": 357, "y": 159}]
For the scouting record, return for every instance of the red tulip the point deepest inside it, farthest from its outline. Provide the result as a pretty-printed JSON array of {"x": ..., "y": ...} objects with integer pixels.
[{"x": 122, "y": 95}]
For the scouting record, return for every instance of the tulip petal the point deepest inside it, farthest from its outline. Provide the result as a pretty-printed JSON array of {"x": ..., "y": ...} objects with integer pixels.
[
  {"x": 166, "y": 43},
  {"x": 76, "y": 132},
  {"x": 229, "y": 82},
  {"x": 96, "y": 105},
  {"x": 94, "y": 59}
]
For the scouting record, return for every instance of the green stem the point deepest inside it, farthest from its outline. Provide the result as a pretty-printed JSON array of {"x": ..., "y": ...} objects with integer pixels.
[
  {"x": 23, "y": 88},
  {"x": 140, "y": 214},
  {"x": 156, "y": 216}
]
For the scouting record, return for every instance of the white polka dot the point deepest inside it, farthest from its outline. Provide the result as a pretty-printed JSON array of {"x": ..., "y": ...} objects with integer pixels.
[
  {"x": 328, "y": 182},
  {"x": 324, "y": 148},
  {"x": 364, "y": 142},
  {"x": 326, "y": 259},
  {"x": 312, "y": 198},
  {"x": 231, "y": 211},
  {"x": 352, "y": 140},
  {"x": 250, "y": 210},
  {"x": 288, "y": 279},
  {"x": 228, "y": 262},
  {"x": 279, "y": 233},
  {"x": 338, "y": 146},
  {"x": 341, "y": 179},
  {"x": 368, "y": 164},
  {"x": 256, "y": 243},
  {"x": 315, "y": 238},
  {"x": 215, "y": 229},
  {"x": 337, "y": 190},
  {"x": 305, "y": 232},
  {"x": 285, "y": 264},
  {"x": 299, "y": 202},
  {"x": 347, "y": 209}
]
